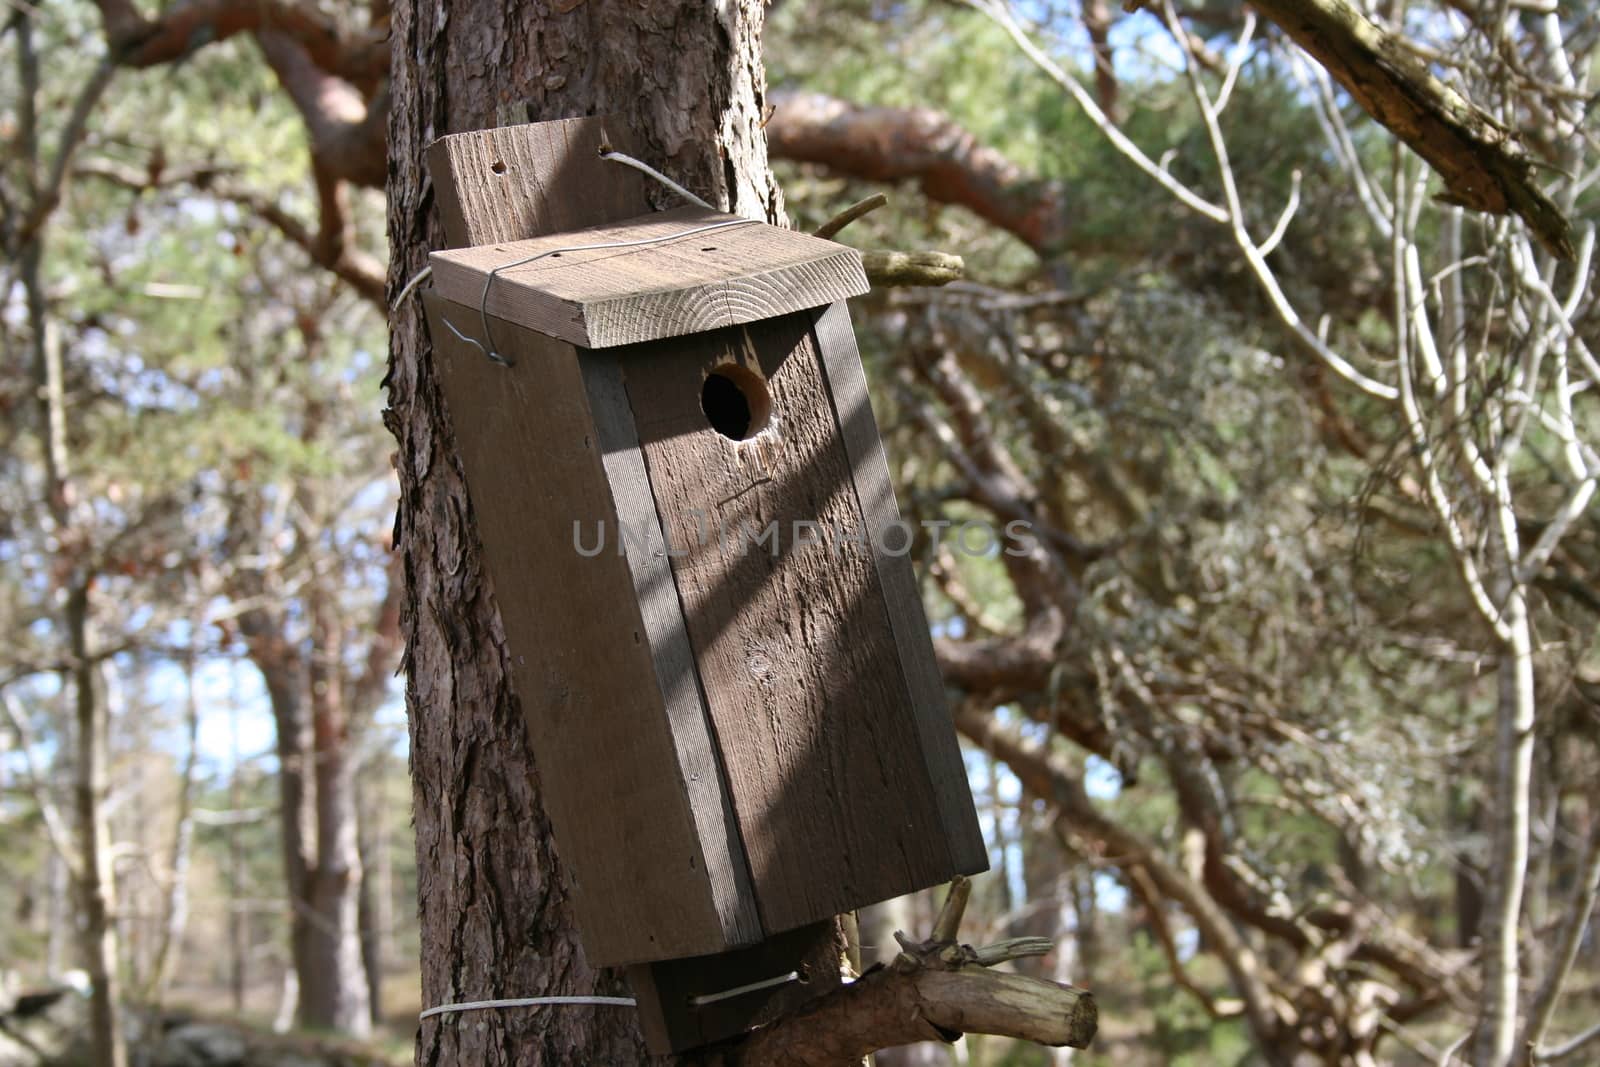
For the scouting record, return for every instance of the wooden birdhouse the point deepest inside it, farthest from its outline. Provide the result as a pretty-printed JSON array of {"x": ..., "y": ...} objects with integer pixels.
[{"x": 710, "y": 613}]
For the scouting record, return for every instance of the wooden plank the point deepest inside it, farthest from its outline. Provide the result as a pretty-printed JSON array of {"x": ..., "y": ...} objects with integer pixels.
[
  {"x": 698, "y": 763},
  {"x": 515, "y": 182},
  {"x": 796, "y": 650},
  {"x": 858, "y": 429},
  {"x": 580, "y": 665},
  {"x": 667, "y": 991},
  {"x": 604, "y": 297}
]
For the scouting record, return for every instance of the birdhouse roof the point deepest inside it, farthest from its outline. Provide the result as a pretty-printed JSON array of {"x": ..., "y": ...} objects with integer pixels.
[{"x": 659, "y": 275}]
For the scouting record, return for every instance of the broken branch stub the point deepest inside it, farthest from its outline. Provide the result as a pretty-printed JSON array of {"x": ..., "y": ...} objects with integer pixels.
[{"x": 935, "y": 990}]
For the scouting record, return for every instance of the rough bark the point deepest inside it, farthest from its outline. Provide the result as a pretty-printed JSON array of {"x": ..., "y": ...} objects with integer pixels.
[{"x": 686, "y": 78}]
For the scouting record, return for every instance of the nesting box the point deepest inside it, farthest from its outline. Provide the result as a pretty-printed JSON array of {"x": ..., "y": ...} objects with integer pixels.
[{"x": 711, "y": 617}]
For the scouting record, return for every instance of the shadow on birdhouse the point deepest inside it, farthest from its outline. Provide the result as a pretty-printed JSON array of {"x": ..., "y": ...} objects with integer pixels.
[{"x": 711, "y": 620}]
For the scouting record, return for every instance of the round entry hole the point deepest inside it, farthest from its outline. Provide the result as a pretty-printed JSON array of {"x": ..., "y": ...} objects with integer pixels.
[{"x": 735, "y": 401}]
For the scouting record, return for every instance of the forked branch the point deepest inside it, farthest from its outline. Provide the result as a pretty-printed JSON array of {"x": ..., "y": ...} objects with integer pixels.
[{"x": 935, "y": 990}]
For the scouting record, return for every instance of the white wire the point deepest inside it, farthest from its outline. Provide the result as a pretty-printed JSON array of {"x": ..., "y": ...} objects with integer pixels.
[
  {"x": 527, "y": 1002},
  {"x": 483, "y": 304},
  {"x": 739, "y": 991},
  {"x": 620, "y": 1002},
  {"x": 614, "y": 156}
]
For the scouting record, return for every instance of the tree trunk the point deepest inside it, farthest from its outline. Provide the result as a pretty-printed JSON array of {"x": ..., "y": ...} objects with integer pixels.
[
  {"x": 237, "y": 942},
  {"x": 377, "y": 879},
  {"x": 1468, "y": 900},
  {"x": 333, "y": 982},
  {"x": 175, "y": 909},
  {"x": 1506, "y": 875},
  {"x": 95, "y": 885},
  {"x": 96, "y": 889},
  {"x": 686, "y": 78},
  {"x": 317, "y": 821}
]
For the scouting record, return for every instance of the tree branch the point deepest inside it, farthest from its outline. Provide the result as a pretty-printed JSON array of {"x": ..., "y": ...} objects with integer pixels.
[
  {"x": 935, "y": 990},
  {"x": 332, "y": 246},
  {"x": 361, "y": 57},
  {"x": 920, "y": 144},
  {"x": 1481, "y": 162},
  {"x": 348, "y": 132}
]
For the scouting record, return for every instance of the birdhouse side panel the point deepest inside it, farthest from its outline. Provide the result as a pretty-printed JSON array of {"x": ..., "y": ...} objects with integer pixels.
[
  {"x": 858, "y": 429},
  {"x": 576, "y": 644},
  {"x": 787, "y": 618}
]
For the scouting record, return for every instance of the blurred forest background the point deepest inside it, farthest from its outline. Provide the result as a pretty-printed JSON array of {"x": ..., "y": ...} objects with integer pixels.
[{"x": 1289, "y": 733}]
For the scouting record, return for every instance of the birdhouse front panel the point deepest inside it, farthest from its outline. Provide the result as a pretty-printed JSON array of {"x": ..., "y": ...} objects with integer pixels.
[{"x": 787, "y": 617}]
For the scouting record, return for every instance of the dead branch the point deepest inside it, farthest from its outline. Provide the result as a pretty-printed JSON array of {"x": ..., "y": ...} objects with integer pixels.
[
  {"x": 935, "y": 990},
  {"x": 886, "y": 268},
  {"x": 850, "y": 214},
  {"x": 1482, "y": 164}
]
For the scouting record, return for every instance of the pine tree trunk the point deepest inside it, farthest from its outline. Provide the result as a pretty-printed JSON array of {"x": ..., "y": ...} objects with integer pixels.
[
  {"x": 686, "y": 77},
  {"x": 372, "y": 838},
  {"x": 333, "y": 984},
  {"x": 317, "y": 822}
]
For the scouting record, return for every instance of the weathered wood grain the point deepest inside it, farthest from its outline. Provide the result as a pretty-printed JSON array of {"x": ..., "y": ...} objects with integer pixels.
[
  {"x": 581, "y": 665},
  {"x": 796, "y": 649},
  {"x": 936, "y": 731},
  {"x": 521, "y": 181},
  {"x": 613, "y": 296},
  {"x": 698, "y": 762}
]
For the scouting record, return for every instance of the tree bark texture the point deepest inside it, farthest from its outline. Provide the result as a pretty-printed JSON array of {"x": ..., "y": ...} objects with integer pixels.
[{"x": 686, "y": 79}]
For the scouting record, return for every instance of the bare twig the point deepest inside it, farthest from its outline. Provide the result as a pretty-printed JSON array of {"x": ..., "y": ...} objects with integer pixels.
[
  {"x": 850, "y": 214},
  {"x": 55, "y": 827}
]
